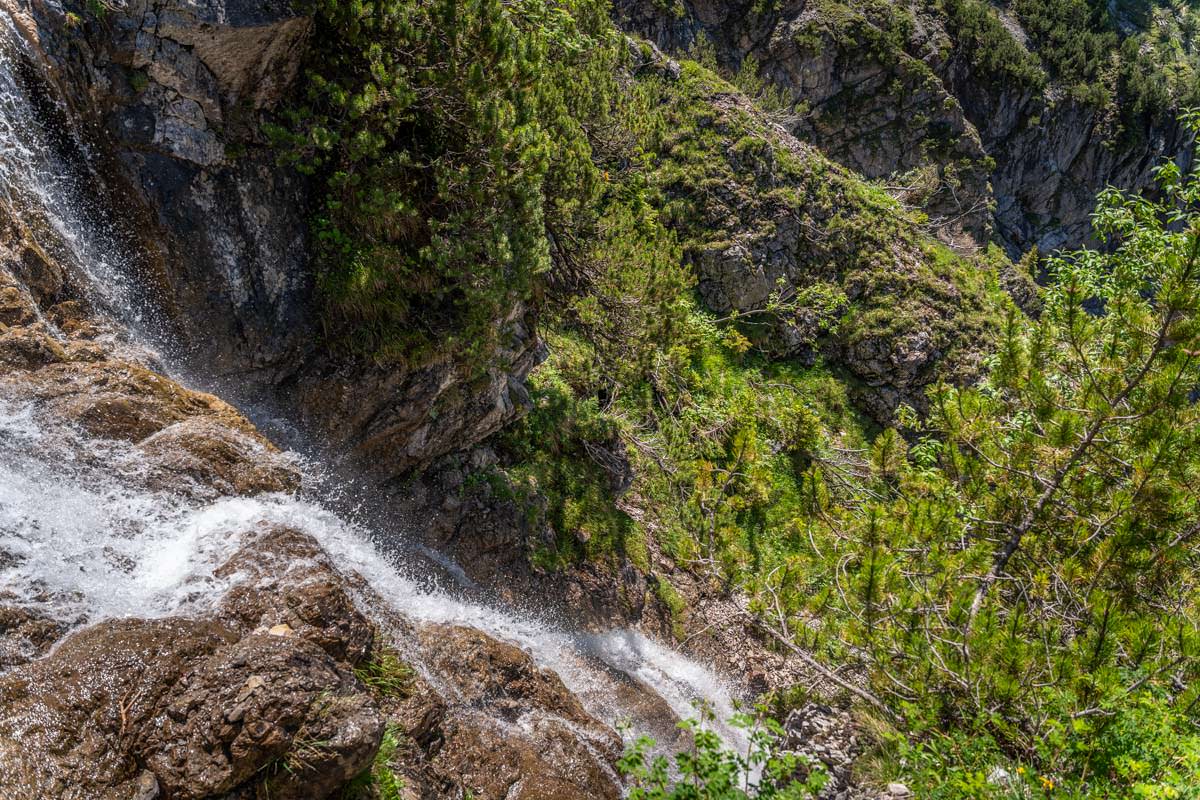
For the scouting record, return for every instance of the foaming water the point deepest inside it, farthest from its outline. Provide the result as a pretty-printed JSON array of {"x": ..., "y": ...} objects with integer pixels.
[
  {"x": 81, "y": 542},
  {"x": 83, "y": 538}
]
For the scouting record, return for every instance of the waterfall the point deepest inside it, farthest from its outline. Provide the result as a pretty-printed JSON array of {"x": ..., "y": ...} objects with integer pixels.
[
  {"x": 40, "y": 183},
  {"x": 84, "y": 538}
]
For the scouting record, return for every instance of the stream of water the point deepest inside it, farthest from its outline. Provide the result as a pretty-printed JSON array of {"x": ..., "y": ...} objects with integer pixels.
[{"x": 83, "y": 539}]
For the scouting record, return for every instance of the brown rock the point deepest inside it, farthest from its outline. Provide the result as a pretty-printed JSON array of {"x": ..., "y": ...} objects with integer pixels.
[
  {"x": 211, "y": 454},
  {"x": 518, "y": 732},
  {"x": 25, "y": 633},
  {"x": 289, "y": 580},
  {"x": 68, "y": 721},
  {"x": 267, "y": 703},
  {"x": 207, "y": 712},
  {"x": 15, "y": 306},
  {"x": 29, "y": 347},
  {"x": 544, "y": 761},
  {"x": 120, "y": 400},
  {"x": 41, "y": 274},
  {"x": 75, "y": 319}
]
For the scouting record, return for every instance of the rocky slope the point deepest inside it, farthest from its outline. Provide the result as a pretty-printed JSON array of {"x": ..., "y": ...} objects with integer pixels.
[
  {"x": 891, "y": 91},
  {"x": 276, "y": 686}
]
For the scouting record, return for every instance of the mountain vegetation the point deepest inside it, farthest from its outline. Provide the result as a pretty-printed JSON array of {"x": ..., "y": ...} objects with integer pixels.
[{"x": 1000, "y": 550}]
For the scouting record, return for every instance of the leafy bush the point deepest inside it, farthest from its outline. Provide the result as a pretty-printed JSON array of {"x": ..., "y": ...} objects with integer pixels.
[{"x": 710, "y": 770}]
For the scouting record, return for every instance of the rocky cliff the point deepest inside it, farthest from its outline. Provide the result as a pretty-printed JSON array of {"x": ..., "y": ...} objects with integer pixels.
[
  {"x": 893, "y": 91},
  {"x": 168, "y": 100}
]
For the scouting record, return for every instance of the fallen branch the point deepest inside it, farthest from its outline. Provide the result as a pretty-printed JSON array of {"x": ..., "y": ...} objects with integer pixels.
[{"x": 824, "y": 671}]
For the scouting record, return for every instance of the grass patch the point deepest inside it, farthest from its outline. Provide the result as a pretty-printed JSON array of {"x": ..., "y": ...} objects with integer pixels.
[
  {"x": 379, "y": 781},
  {"x": 386, "y": 673}
]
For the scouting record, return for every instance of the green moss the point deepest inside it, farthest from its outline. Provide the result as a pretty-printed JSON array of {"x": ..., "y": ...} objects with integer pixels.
[
  {"x": 138, "y": 80},
  {"x": 676, "y": 605}
]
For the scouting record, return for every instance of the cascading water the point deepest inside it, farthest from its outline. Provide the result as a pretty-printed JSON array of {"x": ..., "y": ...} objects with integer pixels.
[
  {"x": 49, "y": 192},
  {"x": 83, "y": 538}
]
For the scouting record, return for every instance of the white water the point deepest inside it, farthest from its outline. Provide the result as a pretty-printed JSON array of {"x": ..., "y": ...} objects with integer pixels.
[
  {"x": 82, "y": 539},
  {"x": 51, "y": 193}
]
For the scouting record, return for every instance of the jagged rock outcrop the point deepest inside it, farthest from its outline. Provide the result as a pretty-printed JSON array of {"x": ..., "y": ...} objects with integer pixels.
[
  {"x": 883, "y": 89},
  {"x": 170, "y": 98}
]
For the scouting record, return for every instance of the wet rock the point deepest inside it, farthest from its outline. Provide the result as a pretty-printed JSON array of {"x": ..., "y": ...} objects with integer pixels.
[
  {"x": 121, "y": 400},
  {"x": 42, "y": 275},
  {"x": 25, "y": 633},
  {"x": 485, "y": 672},
  {"x": 68, "y": 721},
  {"x": 16, "y": 308},
  {"x": 518, "y": 732},
  {"x": 265, "y": 703},
  {"x": 76, "y": 320},
  {"x": 288, "y": 580},
  {"x": 205, "y": 710},
  {"x": 544, "y": 761},
  {"x": 29, "y": 347},
  {"x": 211, "y": 454}
]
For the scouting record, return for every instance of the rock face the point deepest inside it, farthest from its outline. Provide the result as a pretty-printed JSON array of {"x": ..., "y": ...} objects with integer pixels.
[
  {"x": 896, "y": 100},
  {"x": 473, "y": 516},
  {"x": 171, "y": 98}
]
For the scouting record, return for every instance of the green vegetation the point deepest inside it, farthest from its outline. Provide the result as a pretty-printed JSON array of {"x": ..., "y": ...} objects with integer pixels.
[
  {"x": 720, "y": 432},
  {"x": 1026, "y": 575},
  {"x": 450, "y": 138},
  {"x": 379, "y": 782},
  {"x": 386, "y": 673},
  {"x": 1146, "y": 73},
  {"x": 1006, "y": 562},
  {"x": 1145, "y": 748},
  {"x": 975, "y": 27},
  {"x": 710, "y": 771}
]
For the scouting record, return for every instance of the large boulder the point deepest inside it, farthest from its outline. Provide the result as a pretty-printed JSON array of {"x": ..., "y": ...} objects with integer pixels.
[
  {"x": 267, "y": 708},
  {"x": 204, "y": 709}
]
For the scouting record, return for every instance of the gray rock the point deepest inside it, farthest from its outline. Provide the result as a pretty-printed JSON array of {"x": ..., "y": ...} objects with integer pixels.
[{"x": 888, "y": 114}]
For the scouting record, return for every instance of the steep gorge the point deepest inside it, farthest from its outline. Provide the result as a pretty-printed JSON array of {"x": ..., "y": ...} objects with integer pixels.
[{"x": 254, "y": 562}]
